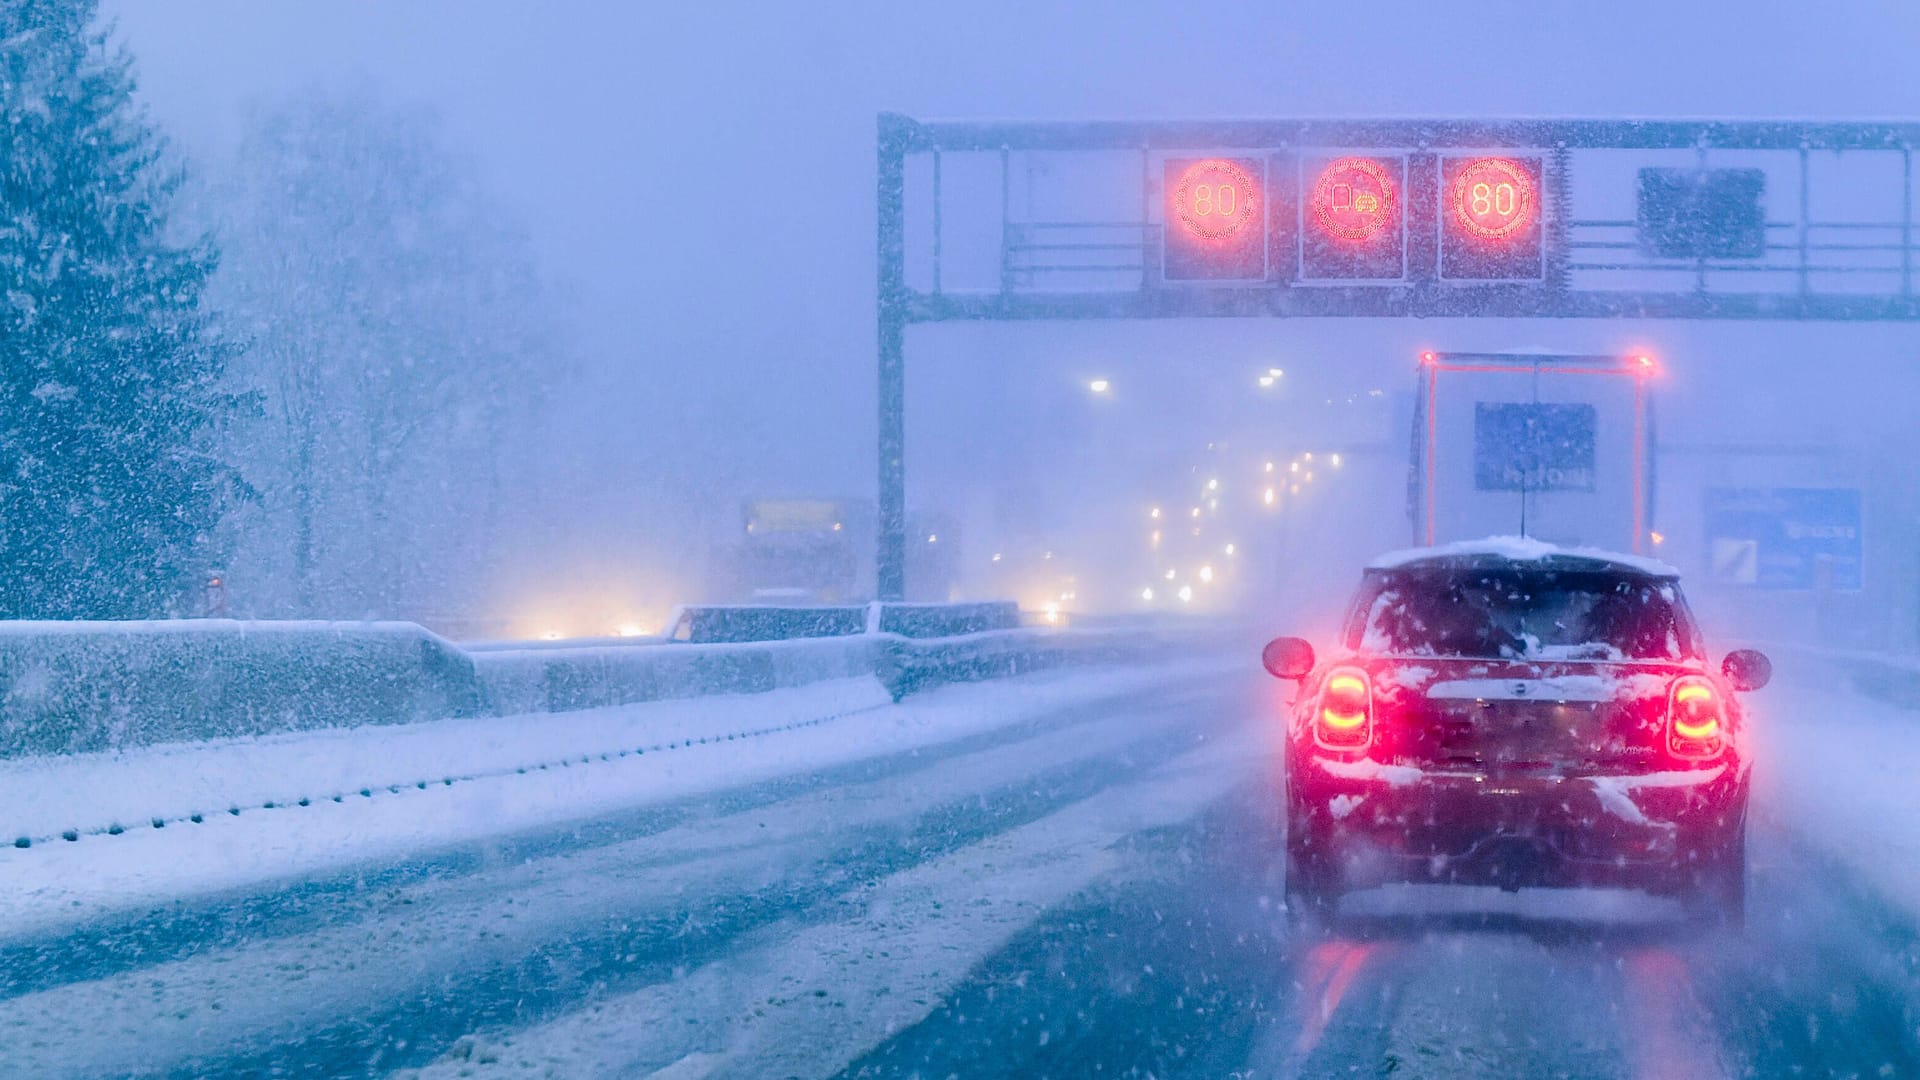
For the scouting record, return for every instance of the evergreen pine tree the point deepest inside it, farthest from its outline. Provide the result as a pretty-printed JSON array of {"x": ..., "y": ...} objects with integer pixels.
[{"x": 109, "y": 368}]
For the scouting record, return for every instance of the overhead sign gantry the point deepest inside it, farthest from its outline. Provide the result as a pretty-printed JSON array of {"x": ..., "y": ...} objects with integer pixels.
[{"x": 1380, "y": 218}]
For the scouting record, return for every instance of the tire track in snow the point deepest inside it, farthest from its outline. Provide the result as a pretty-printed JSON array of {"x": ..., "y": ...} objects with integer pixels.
[
  {"x": 1672, "y": 1036},
  {"x": 1164, "y": 971},
  {"x": 1826, "y": 979},
  {"x": 806, "y": 1000}
]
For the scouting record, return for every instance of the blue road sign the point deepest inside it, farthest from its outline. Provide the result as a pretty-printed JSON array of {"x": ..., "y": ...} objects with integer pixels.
[
  {"x": 1785, "y": 538},
  {"x": 1519, "y": 446}
]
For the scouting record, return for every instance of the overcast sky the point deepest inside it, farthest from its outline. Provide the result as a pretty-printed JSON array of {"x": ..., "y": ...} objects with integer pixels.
[{"x": 701, "y": 174}]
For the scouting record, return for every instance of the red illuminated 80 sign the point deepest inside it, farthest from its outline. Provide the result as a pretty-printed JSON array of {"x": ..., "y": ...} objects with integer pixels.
[
  {"x": 1493, "y": 198},
  {"x": 1215, "y": 199},
  {"x": 1216, "y": 219},
  {"x": 1491, "y": 218}
]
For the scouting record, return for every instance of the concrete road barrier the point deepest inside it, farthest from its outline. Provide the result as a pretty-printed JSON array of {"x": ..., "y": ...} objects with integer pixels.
[{"x": 82, "y": 687}]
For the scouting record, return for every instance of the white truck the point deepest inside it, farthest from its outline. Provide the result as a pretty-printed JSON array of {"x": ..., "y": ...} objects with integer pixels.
[{"x": 1548, "y": 445}]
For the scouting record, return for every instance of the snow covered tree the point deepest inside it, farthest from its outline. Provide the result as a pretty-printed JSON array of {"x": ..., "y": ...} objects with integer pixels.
[
  {"x": 109, "y": 368},
  {"x": 401, "y": 341}
]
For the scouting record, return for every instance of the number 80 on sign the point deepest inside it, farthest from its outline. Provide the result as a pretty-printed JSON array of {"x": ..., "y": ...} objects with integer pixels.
[
  {"x": 1215, "y": 220},
  {"x": 1215, "y": 199},
  {"x": 1494, "y": 198}
]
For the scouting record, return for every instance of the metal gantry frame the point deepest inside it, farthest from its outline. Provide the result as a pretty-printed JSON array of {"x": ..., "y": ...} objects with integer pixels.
[{"x": 1592, "y": 268}]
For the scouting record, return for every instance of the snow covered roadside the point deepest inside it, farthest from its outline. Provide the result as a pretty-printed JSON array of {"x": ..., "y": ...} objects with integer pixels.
[
  {"x": 409, "y": 807},
  {"x": 1841, "y": 772},
  {"x": 42, "y": 798}
]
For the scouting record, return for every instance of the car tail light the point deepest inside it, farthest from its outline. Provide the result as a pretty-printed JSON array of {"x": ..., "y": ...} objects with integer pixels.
[
  {"x": 1345, "y": 718},
  {"x": 1696, "y": 719}
]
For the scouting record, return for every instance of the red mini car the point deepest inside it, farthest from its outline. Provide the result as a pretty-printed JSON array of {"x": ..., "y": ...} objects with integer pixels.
[{"x": 1508, "y": 713}]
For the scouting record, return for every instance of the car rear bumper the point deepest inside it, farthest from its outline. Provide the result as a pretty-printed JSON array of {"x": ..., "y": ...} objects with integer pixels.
[{"x": 1370, "y": 825}]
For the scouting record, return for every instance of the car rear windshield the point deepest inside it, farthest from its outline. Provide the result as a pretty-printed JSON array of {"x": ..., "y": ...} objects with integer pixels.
[{"x": 1531, "y": 614}]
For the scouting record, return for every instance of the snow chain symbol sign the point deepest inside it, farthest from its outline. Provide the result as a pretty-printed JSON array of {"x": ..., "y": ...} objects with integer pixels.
[
  {"x": 1215, "y": 199},
  {"x": 1354, "y": 198}
]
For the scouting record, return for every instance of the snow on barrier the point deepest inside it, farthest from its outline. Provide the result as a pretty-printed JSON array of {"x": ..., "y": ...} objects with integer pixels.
[
  {"x": 550, "y": 680},
  {"x": 909, "y": 665},
  {"x": 943, "y": 620},
  {"x": 70, "y": 688},
  {"x": 74, "y": 687},
  {"x": 556, "y": 681},
  {"x": 717, "y": 623}
]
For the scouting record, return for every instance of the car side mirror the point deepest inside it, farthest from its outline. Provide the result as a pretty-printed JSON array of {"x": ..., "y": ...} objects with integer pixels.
[
  {"x": 1288, "y": 657},
  {"x": 1747, "y": 669}
]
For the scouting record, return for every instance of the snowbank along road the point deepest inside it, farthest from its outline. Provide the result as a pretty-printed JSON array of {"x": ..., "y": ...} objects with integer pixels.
[{"x": 1061, "y": 875}]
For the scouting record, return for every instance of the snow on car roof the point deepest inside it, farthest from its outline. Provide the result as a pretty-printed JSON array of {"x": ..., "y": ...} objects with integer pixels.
[{"x": 1519, "y": 549}]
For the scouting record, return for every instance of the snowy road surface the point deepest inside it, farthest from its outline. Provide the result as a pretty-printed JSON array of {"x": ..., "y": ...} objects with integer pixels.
[{"x": 1065, "y": 875}]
